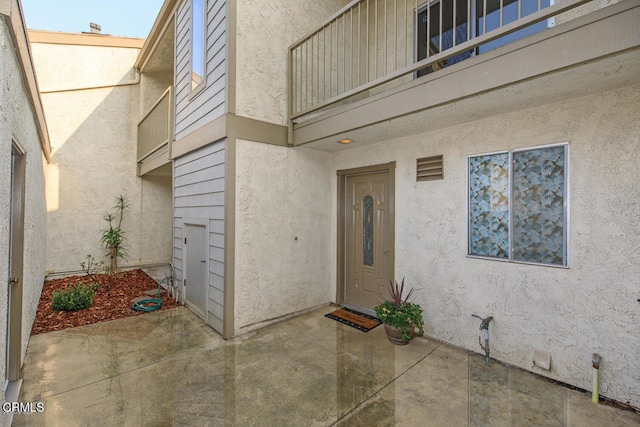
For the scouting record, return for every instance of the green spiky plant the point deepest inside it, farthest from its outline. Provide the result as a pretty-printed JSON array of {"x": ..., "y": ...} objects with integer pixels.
[{"x": 113, "y": 237}]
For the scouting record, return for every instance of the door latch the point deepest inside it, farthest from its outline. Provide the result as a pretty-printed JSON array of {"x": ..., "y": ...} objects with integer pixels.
[{"x": 14, "y": 280}]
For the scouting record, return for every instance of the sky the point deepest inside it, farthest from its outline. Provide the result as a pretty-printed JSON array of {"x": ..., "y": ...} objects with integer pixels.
[{"x": 129, "y": 18}]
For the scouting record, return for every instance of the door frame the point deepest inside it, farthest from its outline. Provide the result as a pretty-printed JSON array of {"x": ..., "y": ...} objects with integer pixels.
[
  {"x": 341, "y": 219},
  {"x": 197, "y": 222},
  {"x": 16, "y": 262}
]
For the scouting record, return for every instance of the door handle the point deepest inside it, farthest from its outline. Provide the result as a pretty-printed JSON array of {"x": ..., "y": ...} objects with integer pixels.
[
  {"x": 203, "y": 261},
  {"x": 14, "y": 280}
]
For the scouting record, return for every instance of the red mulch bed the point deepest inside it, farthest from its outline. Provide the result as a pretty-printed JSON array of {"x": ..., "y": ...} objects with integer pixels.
[{"x": 112, "y": 301}]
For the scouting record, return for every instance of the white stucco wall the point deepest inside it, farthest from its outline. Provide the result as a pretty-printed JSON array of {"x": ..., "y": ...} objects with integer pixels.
[
  {"x": 152, "y": 86},
  {"x": 283, "y": 221},
  {"x": 77, "y": 66},
  {"x": 262, "y": 49},
  {"x": 570, "y": 313},
  {"x": 17, "y": 123},
  {"x": 156, "y": 219},
  {"x": 93, "y": 136}
]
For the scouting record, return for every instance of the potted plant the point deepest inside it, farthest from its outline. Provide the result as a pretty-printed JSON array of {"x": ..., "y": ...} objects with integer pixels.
[{"x": 399, "y": 316}]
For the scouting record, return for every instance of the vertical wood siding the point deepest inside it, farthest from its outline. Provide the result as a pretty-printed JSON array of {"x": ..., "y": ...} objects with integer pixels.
[
  {"x": 209, "y": 104},
  {"x": 199, "y": 194}
]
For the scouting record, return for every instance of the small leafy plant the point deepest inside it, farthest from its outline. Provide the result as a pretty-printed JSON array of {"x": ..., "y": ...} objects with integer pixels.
[
  {"x": 400, "y": 313},
  {"x": 73, "y": 299},
  {"x": 92, "y": 268}
]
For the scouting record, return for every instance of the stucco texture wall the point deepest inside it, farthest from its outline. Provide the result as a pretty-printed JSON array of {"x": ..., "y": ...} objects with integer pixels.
[
  {"x": 282, "y": 224},
  {"x": 152, "y": 86},
  {"x": 17, "y": 123},
  {"x": 261, "y": 57},
  {"x": 569, "y": 313},
  {"x": 92, "y": 112}
]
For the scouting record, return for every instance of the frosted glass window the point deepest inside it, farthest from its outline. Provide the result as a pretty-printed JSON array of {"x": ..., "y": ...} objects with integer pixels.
[
  {"x": 489, "y": 205},
  {"x": 539, "y": 206},
  {"x": 367, "y": 225},
  {"x": 517, "y": 205}
]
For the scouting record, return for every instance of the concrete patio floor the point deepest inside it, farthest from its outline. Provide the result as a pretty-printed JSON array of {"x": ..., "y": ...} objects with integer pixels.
[{"x": 168, "y": 368}]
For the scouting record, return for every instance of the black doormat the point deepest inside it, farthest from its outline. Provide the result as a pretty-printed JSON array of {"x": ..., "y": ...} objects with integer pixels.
[{"x": 355, "y": 319}]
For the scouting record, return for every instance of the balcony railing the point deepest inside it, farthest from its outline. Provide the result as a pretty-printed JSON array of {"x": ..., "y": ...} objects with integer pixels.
[
  {"x": 155, "y": 129},
  {"x": 370, "y": 43}
]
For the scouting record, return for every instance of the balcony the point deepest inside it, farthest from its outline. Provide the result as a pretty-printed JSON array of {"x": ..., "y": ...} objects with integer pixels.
[
  {"x": 155, "y": 134},
  {"x": 156, "y": 96},
  {"x": 379, "y": 60}
]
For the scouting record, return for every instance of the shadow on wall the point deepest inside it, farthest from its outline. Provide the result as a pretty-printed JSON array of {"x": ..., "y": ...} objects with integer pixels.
[{"x": 94, "y": 138}]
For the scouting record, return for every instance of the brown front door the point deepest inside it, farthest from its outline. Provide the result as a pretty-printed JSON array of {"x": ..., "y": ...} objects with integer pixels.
[{"x": 368, "y": 237}]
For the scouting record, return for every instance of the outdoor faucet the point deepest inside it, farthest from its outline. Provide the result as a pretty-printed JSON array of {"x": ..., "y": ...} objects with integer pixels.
[{"x": 484, "y": 328}]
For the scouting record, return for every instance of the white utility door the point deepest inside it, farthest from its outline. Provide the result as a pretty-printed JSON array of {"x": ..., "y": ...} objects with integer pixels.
[{"x": 195, "y": 289}]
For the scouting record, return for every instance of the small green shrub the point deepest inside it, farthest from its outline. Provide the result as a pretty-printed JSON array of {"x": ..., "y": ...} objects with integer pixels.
[{"x": 73, "y": 299}]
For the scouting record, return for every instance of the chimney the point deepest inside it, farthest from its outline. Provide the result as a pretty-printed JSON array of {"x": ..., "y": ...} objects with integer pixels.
[{"x": 95, "y": 28}]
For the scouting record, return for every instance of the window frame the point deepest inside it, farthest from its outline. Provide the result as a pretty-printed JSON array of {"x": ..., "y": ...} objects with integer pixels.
[
  {"x": 566, "y": 206},
  {"x": 194, "y": 90}
]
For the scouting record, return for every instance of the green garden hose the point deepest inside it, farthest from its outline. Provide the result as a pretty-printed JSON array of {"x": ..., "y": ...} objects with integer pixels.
[{"x": 150, "y": 304}]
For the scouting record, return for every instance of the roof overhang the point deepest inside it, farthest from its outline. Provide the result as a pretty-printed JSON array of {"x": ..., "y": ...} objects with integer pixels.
[
  {"x": 84, "y": 39},
  {"x": 11, "y": 12},
  {"x": 157, "y": 31}
]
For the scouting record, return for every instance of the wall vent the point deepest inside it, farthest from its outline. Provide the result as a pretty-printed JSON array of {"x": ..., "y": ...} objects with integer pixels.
[{"x": 430, "y": 168}]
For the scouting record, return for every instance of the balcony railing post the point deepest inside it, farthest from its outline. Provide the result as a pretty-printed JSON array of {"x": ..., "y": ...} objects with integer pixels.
[
  {"x": 366, "y": 45},
  {"x": 170, "y": 116},
  {"x": 290, "y": 101},
  {"x": 359, "y": 40}
]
